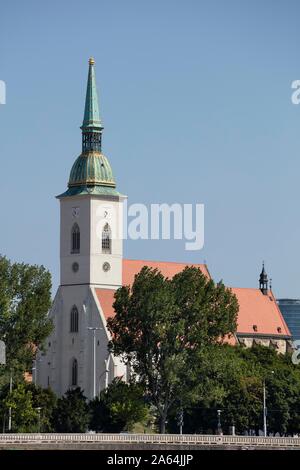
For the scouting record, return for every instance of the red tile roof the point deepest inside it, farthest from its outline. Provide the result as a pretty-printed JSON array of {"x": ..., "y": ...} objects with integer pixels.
[
  {"x": 258, "y": 313},
  {"x": 167, "y": 268},
  {"x": 106, "y": 300},
  {"x": 131, "y": 268}
]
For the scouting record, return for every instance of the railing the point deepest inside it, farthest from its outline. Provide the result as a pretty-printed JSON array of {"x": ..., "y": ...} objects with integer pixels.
[{"x": 26, "y": 438}]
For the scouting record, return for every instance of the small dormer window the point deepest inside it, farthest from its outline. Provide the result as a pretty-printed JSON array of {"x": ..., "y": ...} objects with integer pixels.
[
  {"x": 279, "y": 329},
  {"x": 254, "y": 327}
]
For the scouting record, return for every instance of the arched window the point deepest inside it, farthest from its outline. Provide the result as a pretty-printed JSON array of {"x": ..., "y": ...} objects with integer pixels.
[
  {"x": 74, "y": 372},
  {"x": 106, "y": 239},
  {"x": 74, "y": 320},
  {"x": 75, "y": 239}
]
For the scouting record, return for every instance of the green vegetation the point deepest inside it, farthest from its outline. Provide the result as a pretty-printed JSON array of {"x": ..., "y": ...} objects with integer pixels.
[
  {"x": 234, "y": 381},
  {"x": 25, "y": 299},
  {"x": 71, "y": 413},
  {"x": 162, "y": 327},
  {"x": 25, "y": 401},
  {"x": 230, "y": 379},
  {"x": 118, "y": 408},
  {"x": 171, "y": 332}
]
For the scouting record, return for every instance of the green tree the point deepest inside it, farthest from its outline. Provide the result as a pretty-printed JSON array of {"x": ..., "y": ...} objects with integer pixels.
[
  {"x": 282, "y": 382},
  {"x": 227, "y": 382},
  {"x": 25, "y": 298},
  {"x": 162, "y": 325},
  {"x": 24, "y": 415},
  {"x": 45, "y": 399},
  {"x": 119, "y": 407},
  {"x": 71, "y": 413},
  {"x": 25, "y": 400},
  {"x": 232, "y": 380}
]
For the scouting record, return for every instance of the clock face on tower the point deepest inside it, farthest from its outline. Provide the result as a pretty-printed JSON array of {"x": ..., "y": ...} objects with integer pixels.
[
  {"x": 106, "y": 267},
  {"x": 75, "y": 212},
  {"x": 105, "y": 212}
]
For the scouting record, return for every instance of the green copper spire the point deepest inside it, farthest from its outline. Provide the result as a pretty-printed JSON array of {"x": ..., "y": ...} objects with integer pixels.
[
  {"x": 91, "y": 172},
  {"x": 91, "y": 126},
  {"x": 91, "y": 110}
]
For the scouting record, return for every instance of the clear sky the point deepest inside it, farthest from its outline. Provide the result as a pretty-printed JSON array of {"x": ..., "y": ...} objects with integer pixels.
[{"x": 196, "y": 103}]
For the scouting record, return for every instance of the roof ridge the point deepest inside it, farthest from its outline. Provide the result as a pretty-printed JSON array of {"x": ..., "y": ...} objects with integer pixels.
[
  {"x": 244, "y": 288},
  {"x": 170, "y": 262}
]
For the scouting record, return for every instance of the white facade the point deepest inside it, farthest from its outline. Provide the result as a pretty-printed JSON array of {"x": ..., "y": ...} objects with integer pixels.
[{"x": 93, "y": 269}]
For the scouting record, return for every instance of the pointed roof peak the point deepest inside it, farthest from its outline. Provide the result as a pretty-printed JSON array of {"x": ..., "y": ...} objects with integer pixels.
[
  {"x": 263, "y": 271},
  {"x": 263, "y": 280},
  {"x": 91, "y": 119}
]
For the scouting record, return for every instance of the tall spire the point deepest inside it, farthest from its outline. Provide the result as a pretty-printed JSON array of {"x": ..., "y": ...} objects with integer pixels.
[
  {"x": 91, "y": 126},
  {"x": 91, "y": 173}
]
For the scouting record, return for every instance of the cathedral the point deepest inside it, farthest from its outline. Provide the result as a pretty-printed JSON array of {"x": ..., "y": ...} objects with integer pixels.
[{"x": 92, "y": 267}]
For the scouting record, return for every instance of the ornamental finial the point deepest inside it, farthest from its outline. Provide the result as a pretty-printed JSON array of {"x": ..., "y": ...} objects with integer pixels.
[{"x": 91, "y": 60}]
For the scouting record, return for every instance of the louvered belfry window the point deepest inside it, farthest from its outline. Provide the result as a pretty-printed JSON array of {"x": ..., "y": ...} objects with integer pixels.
[
  {"x": 106, "y": 239},
  {"x": 75, "y": 239}
]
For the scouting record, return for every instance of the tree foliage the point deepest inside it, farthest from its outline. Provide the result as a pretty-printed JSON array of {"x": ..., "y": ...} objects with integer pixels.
[
  {"x": 24, "y": 415},
  {"x": 46, "y": 400},
  {"x": 71, "y": 413},
  {"x": 24, "y": 401},
  {"x": 25, "y": 298},
  {"x": 118, "y": 408},
  {"x": 233, "y": 380},
  {"x": 162, "y": 325}
]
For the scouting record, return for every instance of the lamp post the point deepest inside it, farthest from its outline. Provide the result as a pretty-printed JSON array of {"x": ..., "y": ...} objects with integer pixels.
[
  {"x": 180, "y": 420},
  {"x": 219, "y": 431},
  {"x": 34, "y": 374},
  {"x": 265, "y": 411},
  {"x": 264, "y": 408},
  {"x": 9, "y": 410},
  {"x": 39, "y": 417},
  {"x": 35, "y": 370},
  {"x": 94, "y": 329},
  {"x": 106, "y": 361}
]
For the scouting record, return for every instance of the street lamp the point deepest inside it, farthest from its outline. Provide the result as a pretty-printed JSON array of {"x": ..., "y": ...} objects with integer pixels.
[
  {"x": 39, "y": 416},
  {"x": 264, "y": 405},
  {"x": 94, "y": 329},
  {"x": 35, "y": 370},
  {"x": 219, "y": 431},
  {"x": 180, "y": 420},
  {"x": 10, "y": 392},
  {"x": 106, "y": 361}
]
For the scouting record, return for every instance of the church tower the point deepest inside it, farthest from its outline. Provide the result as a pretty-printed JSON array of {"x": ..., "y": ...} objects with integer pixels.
[
  {"x": 91, "y": 208},
  {"x": 91, "y": 251}
]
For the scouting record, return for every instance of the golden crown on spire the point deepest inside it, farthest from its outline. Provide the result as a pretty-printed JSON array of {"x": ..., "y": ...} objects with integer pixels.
[{"x": 91, "y": 60}]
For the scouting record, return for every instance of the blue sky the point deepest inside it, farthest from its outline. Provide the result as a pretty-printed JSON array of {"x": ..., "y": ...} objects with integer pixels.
[{"x": 196, "y": 103}]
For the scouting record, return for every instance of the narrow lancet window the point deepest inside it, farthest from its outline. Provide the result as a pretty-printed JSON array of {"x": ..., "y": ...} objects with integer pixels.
[
  {"x": 74, "y": 320},
  {"x": 74, "y": 371},
  {"x": 75, "y": 239}
]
